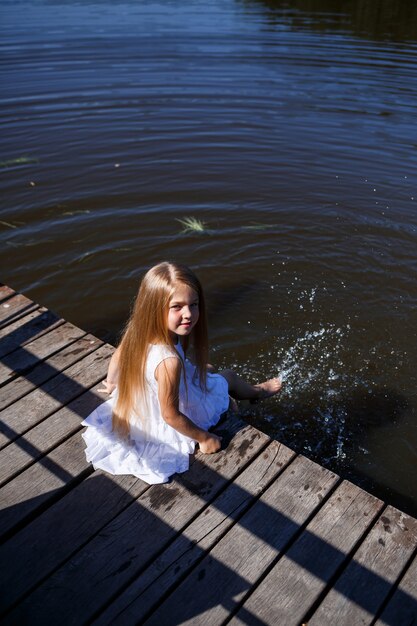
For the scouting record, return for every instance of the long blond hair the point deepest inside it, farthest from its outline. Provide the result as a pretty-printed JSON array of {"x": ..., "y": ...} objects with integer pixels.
[{"x": 148, "y": 324}]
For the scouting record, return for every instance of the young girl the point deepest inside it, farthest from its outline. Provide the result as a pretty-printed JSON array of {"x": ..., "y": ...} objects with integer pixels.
[{"x": 161, "y": 404}]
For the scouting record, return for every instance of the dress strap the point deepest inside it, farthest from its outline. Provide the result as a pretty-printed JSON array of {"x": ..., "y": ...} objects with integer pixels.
[{"x": 158, "y": 353}]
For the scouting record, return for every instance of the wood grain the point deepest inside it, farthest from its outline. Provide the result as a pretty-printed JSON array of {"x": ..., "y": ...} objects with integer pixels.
[
  {"x": 402, "y": 609},
  {"x": 199, "y": 537},
  {"x": 292, "y": 586},
  {"x": 26, "y": 358},
  {"x": 241, "y": 557},
  {"x": 133, "y": 539},
  {"x": 48, "y": 369},
  {"x": 359, "y": 593},
  {"x": 27, "y": 328},
  {"x": 41, "y": 439},
  {"x": 41, "y": 484},
  {"x": 6, "y": 292},
  {"x": 51, "y": 396},
  {"x": 61, "y": 530},
  {"x": 14, "y": 308}
]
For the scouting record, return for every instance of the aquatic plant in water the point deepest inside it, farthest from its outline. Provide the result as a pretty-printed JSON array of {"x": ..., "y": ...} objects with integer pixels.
[
  {"x": 192, "y": 225},
  {"x": 258, "y": 226},
  {"x": 8, "y": 224},
  {"x": 24, "y": 160}
]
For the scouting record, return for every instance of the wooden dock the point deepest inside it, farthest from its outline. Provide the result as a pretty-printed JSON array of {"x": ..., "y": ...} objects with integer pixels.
[{"x": 254, "y": 535}]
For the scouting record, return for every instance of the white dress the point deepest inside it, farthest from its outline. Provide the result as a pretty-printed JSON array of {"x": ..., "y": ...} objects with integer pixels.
[{"x": 155, "y": 450}]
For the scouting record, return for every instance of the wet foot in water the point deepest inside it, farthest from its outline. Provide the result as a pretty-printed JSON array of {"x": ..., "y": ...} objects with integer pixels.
[{"x": 268, "y": 388}]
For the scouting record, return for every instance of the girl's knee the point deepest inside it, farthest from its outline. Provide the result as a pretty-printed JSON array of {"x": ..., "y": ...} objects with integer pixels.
[{"x": 229, "y": 375}]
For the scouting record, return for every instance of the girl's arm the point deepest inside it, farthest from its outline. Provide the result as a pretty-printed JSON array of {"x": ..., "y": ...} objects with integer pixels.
[
  {"x": 168, "y": 374},
  {"x": 112, "y": 373}
]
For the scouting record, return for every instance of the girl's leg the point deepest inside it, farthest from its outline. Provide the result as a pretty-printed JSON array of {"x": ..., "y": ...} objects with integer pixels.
[{"x": 242, "y": 390}]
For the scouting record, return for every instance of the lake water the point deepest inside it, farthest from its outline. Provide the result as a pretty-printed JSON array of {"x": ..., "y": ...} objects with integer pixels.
[{"x": 289, "y": 130}]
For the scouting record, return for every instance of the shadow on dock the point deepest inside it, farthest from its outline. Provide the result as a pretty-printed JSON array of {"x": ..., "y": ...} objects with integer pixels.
[{"x": 246, "y": 532}]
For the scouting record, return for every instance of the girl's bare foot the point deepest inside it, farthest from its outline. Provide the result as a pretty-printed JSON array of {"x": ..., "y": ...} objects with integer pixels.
[
  {"x": 268, "y": 388},
  {"x": 242, "y": 390}
]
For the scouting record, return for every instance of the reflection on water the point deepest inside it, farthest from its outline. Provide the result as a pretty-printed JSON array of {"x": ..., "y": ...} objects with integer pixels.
[
  {"x": 287, "y": 130},
  {"x": 380, "y": 19}
]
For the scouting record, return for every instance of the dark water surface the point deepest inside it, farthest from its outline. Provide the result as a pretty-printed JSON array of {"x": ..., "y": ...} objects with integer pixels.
[{"x": 289, "y": 129}]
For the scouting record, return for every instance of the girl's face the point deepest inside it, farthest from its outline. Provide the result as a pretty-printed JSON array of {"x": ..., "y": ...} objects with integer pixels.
[{"x": 183, "y": 310}]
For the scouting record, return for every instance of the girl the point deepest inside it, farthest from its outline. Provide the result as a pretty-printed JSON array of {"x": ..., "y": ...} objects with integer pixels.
[{"x": 161, "y": 404}]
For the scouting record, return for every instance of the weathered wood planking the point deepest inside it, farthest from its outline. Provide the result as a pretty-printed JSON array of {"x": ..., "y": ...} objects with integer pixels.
[
  {"x": 200, "y": 536},
  {"x": 51, "y": 396},
  {"x": 14, "y": 308},
  {"x": 22, "y": 496},
  {"x": 6, "y": 292},
  {"x": 38, "y": 441},
  {"x": 48, "y": 369},
  {"x": 222, "y": 579},
  {"x": 359, "y": 593},
  {"x": 402, "y": 609},
  {"x": 26, "y": 329},
  {"x": 26, "y": 358},
  {"x": 57, "y": 534},
  {"x": 303, "y": 572},
  {"x": 98, "y": 572},
  {"x": 41, "y": 484}
]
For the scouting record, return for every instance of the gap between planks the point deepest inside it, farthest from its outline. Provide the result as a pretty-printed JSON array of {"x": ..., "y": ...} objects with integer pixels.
[{"x": 169, "y": 508}]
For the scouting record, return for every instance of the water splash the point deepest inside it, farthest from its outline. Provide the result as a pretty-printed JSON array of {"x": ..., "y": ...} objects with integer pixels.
[
  {"x": 310, "y": 413},
  {"x": 314, "y": 360}
]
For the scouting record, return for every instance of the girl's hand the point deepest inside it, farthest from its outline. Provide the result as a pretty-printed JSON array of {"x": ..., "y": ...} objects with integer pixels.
[
  {"x": 108, "y": 387},
  {"x": 211, "y": 444}
]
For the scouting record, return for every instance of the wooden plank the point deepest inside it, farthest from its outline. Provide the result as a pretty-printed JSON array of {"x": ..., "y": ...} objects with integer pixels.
[
  {"x": 51, "y": 396},
  {"x": 38, "y": 441},
  {"x": 15, "y": 307},
  {"x": 359, "y": 593},
  {"x": 293, "y": 585},
  {"x": 26, "y": 358},
  {"x": 240, "y": 558},
  {"x": 6, "y": 292},
  {"x": 98, "y": 572},
  {"x": 402, "y": 609},
  {"x": 41, "y": 484},
  {"x": 48, "y": 369},
  {"x": 26, "y": 329},
  {"x": 59, "y": 532},
  {"x": 199, "y": 537}
]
